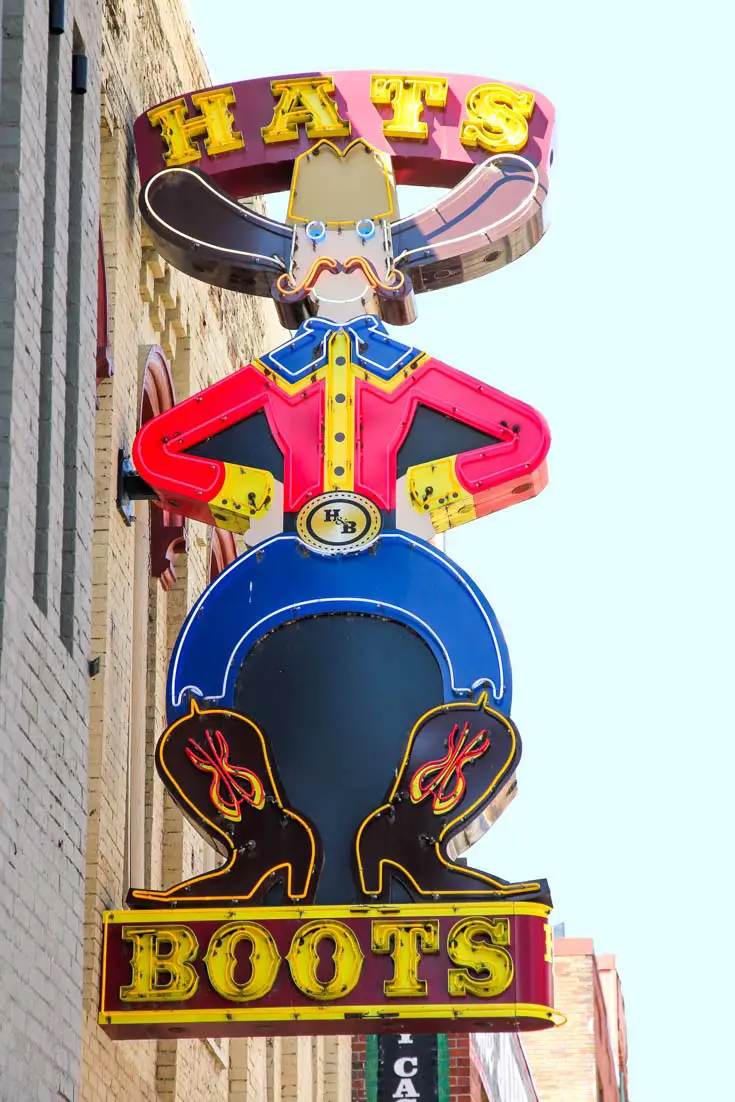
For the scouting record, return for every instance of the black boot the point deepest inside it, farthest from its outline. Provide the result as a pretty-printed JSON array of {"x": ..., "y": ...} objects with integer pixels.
[
  {"x": 217, "y": 767},
  {"x": 458, "y": 758}
]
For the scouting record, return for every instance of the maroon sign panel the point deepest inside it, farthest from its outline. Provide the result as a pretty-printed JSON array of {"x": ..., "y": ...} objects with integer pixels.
[{"x": 353, "y": 970}]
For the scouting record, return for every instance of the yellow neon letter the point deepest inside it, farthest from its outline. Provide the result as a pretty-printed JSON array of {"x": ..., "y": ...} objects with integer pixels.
[
  {"x": 214, "y": 124},
  {"x": 408, "y": 95},
  {"x": 304, "y": 102},
  {"x": 405, "y": 941},
  {"x": 549, "y": 954},
  {"x": 161, "y": 974},
  {"x": 303, "y": 960},
  {"x": 485, "y": 970},
  {"x": 497, "y": 118},
  {"x": 221, "y": 961}
]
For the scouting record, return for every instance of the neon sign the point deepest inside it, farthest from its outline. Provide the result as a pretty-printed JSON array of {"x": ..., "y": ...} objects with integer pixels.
[{"x": 339, "y": 698}]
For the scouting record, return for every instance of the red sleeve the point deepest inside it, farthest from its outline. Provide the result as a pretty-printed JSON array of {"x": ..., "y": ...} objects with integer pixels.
[
  {"x": 384, "y": 420},
  {"x": 187, "y": 482}
]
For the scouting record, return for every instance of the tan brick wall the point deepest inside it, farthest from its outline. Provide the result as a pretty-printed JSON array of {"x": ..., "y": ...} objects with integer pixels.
[
  {"x": 296, "y": 1077},
  {"x": 337, "y": 1069},
  {"x": 248, "y": 1069},
  {"x": 563, "y": 1060}
]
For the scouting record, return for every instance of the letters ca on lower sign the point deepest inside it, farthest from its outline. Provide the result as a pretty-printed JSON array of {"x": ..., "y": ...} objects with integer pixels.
[{"x": 410, "y": 1065}]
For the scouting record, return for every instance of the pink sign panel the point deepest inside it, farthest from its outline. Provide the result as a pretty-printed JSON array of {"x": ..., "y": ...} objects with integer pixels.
[{"x": 440, "y": 159}]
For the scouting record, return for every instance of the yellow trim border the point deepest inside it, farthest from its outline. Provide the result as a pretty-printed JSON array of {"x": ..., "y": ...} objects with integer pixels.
[
  {"x": 319, "y": 1012},
  {"x": 183, "y": 915}
]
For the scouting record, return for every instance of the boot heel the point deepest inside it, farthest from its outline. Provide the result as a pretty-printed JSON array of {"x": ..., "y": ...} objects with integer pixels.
[{"x": 370, "y": 846}]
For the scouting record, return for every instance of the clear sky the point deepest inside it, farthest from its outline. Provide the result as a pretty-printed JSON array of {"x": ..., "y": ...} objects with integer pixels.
[{"x": 615, "y": 587}]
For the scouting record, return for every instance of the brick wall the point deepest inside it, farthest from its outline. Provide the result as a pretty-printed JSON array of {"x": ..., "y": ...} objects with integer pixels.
[
  {"x": 574, "y": 1062},
  {"x": 336, "y": 1069},
  {"x": 359, "y": 1093},
  {"x": 49, "y": 157},
  {"x": 464, "y": 1078}
]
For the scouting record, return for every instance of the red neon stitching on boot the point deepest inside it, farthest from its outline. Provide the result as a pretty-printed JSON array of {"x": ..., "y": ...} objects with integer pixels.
[
  {"x": 215, "y": 760},
  {"x": 448, "y": 771}
]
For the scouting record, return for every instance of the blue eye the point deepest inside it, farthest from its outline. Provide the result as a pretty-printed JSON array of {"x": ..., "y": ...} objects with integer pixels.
[
  {"x": 365, "y": 228},
  {"x": 316, "y": 231}
]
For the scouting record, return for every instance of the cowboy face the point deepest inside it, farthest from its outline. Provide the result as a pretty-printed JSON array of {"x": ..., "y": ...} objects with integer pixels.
[
  {"x": 343, "y": 267},
  {"x": 340, "y": 206}
]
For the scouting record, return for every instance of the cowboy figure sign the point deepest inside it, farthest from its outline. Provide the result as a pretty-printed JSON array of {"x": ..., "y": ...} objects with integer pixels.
[{"x": 339, "y": 698}]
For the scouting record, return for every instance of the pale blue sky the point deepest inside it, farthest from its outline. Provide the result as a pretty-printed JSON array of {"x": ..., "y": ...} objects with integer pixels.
[{"x": 614, "y": 587}]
